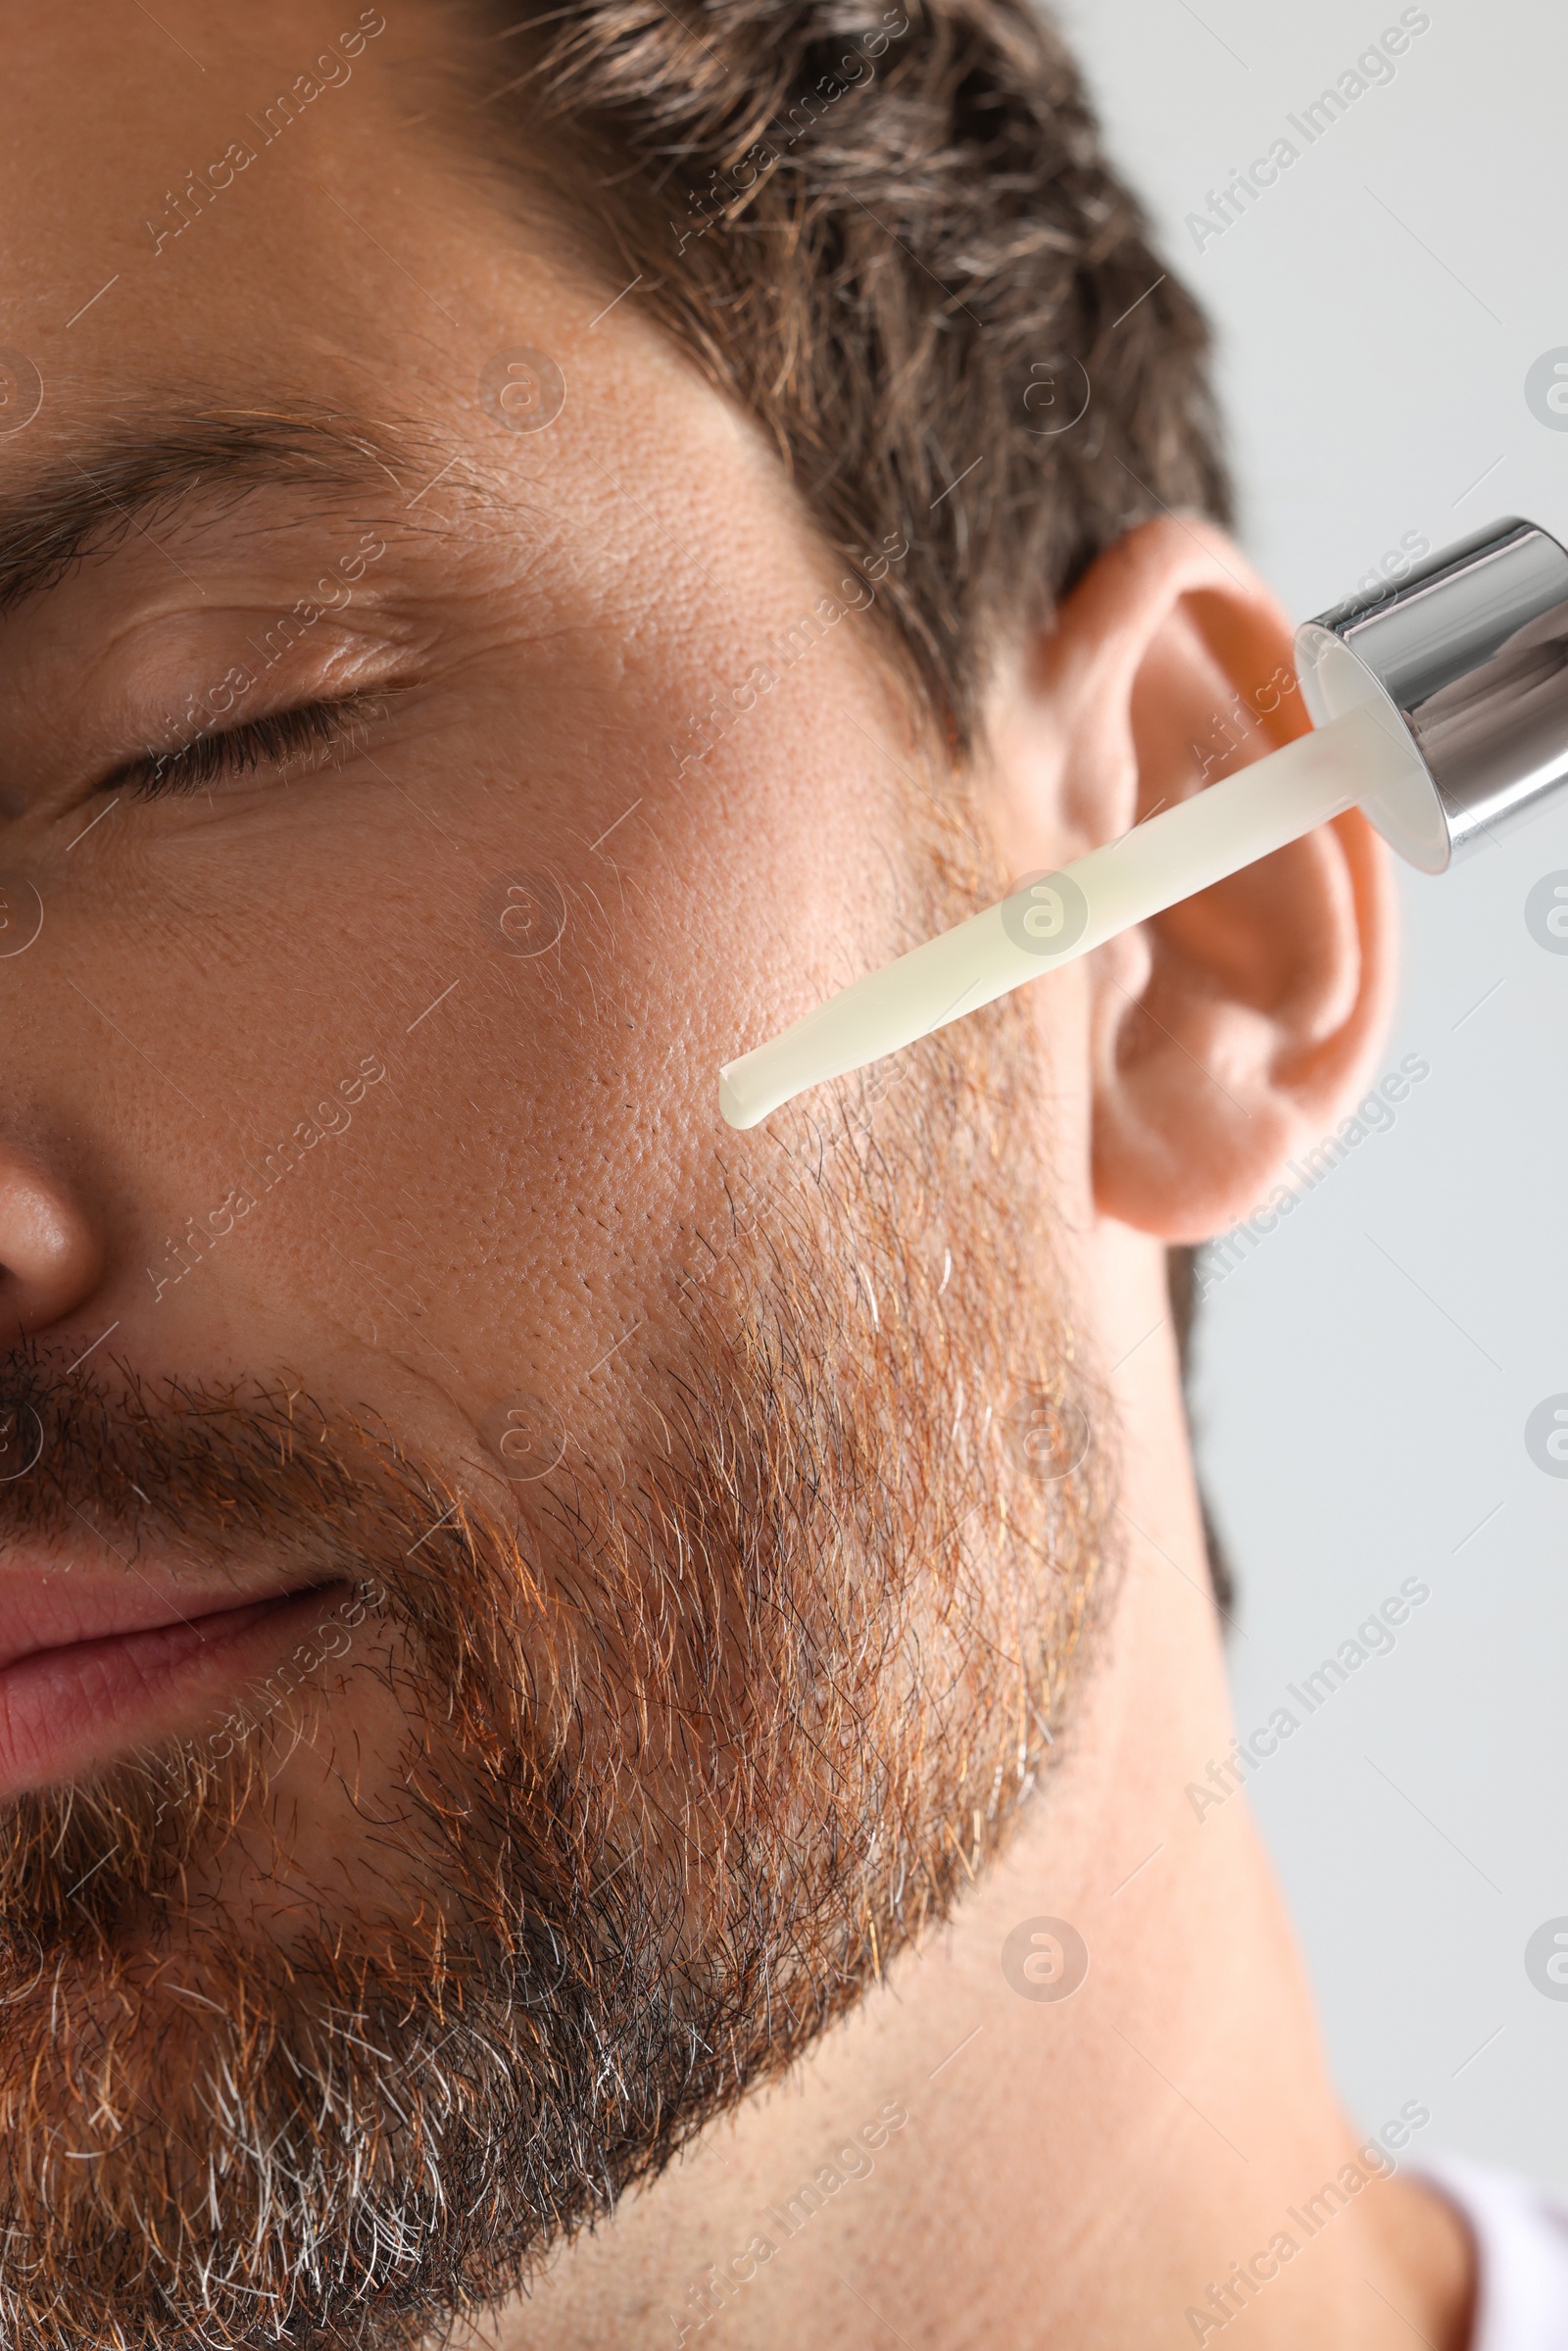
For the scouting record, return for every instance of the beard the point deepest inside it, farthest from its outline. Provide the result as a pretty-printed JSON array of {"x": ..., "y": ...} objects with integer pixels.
[{"x": 663, "y": 1769}]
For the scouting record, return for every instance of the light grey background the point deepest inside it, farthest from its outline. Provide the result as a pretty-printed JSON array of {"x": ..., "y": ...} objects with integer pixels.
[{"x": 1365, "y": 1376}]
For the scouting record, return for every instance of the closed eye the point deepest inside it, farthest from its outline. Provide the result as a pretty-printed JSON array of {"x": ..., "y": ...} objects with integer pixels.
[{"x": 312, "y": 732}]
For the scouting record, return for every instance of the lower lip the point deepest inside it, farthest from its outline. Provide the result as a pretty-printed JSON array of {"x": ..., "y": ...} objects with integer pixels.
[{"x": 65, "y": 1711}]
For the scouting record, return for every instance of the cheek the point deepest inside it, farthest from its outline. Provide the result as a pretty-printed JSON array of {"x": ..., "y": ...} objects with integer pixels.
[
  {"x": 560, "y": 1134},
  {"x": 500, "y": 1215}
]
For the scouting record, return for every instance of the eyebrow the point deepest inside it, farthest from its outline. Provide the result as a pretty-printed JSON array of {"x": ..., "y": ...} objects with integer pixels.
[{"x": 130, "y": 476}]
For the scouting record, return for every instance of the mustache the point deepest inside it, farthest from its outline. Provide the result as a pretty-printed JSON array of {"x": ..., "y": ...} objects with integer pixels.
[
  {"x": 418, "y": 1585},
  {"x": 198, "y": 1468}
]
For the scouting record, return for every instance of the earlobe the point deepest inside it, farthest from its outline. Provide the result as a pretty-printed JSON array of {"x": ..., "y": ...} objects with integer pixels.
[{"x": 1232, "y": 1031}]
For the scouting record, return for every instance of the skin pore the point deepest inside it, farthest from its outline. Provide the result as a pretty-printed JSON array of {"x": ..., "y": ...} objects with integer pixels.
[{"x": 536, "y": 1201}]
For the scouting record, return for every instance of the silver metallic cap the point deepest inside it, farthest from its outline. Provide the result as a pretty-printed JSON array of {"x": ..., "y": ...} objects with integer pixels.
[{"x": 1469, "y": 654}]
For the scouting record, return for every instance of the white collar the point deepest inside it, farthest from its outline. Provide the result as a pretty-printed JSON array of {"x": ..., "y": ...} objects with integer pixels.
[{"x": 1521, "y": 2238}]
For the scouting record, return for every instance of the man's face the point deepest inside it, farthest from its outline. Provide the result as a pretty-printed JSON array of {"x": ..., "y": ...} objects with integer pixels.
[{"x": 574, "y": 1587}]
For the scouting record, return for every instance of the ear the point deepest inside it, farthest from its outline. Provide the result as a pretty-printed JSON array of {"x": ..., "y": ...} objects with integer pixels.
[{"x": 1233, "y": 1030}]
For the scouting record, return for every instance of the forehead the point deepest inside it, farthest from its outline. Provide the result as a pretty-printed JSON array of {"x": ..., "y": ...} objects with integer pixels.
[
  {"x": 203, "y": 148},
  {"x": 227, "y": 206},
  {"x": 302, "y": 208}
]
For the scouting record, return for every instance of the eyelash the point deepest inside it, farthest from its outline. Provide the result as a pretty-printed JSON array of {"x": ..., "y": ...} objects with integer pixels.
[{"x": 322, "y": 727}]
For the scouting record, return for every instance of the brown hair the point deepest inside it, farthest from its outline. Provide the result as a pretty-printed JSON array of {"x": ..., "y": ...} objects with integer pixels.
[
  {"x": 893, "y": 235},
  {"x": 906, "y": 253}
]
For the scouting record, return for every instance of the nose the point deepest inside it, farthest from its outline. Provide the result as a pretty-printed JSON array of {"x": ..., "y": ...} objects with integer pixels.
[{"x": 51, "y": 1257}]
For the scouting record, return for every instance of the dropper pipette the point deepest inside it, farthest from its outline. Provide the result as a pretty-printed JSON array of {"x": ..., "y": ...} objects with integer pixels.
[{"x": 1441, "y": 710}]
